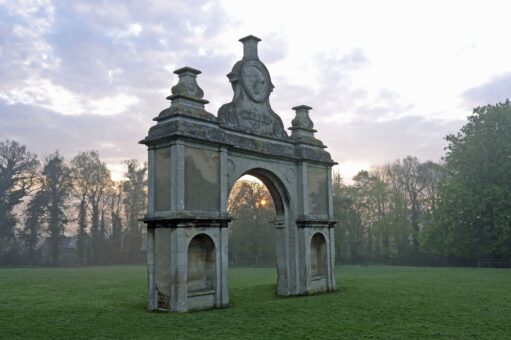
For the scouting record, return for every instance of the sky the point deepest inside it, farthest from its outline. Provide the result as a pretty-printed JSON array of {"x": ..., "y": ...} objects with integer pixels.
[{"x": 386, "y": 79}]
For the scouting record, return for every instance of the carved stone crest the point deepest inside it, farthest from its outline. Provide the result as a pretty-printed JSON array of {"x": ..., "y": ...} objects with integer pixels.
[
  {"x": 250, "y": 109},
  {"x": 256, "y": 80}
]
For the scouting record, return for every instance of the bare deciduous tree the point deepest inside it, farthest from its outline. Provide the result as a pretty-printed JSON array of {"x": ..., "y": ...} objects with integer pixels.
[{"x": 18, "y": 169}]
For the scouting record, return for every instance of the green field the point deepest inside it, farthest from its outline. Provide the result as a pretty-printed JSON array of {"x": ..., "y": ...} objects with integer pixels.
[{"x": 371, "y": 302}]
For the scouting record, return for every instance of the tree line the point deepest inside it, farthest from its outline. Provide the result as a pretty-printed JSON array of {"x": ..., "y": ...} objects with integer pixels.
[
  {"x": 41, "y": 199},
  {"x": 457, "y": 211},
  {"x": 408, "y": 211},
  {"x": 382, "y": 215}
]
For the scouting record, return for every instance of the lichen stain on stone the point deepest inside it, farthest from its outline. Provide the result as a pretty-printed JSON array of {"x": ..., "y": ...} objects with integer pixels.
[
  {"x": 162, "y": 179},
  {"x": 317, "y": 187},
  {"x": 162, "y": 261},
  {"x": 201, "y": 171}
]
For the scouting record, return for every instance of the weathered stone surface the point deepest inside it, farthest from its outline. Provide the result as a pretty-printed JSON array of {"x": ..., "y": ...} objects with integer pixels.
[
  {"x": 250, "y": 109},
  {"x": 178, "y": 128},
  {"x": 194, "y": 160},
  {"x": 302, "y": 127},
  {"x": 202, "y": 169},
  {"x": 188, "y": 87},
  {"x": 201, "y": 265},
  {"x": 162, "y": 267},
  {"x": 187, "y": 97},
  {"x": 162, "y": 178},
  {"x": 318, "y": 256},
  {"x": 318, "y": 190}
]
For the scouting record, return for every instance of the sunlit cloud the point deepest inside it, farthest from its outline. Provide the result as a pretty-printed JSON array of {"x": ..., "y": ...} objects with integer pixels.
[
  {"x": 45, "y": 94},
  {"x": 132, "y": 30},
  {"x": 112, "y": 105}
]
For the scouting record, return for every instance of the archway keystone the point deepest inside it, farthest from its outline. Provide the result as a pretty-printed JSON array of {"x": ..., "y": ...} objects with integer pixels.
[{"x": 194, "y": 160}]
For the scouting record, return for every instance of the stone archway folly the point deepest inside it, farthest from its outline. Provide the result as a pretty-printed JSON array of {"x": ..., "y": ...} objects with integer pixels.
[{"x": 194, "y": 160}]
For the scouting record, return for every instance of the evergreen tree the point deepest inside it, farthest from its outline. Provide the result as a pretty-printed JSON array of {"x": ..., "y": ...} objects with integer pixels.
[
  {"x": 57, "y": 187},
  {"x": 473, "y": 214},
  {"x": 134, "y": 203},
  {"x": 18, "y": 170},
  {"x": 35, "y": 215}
]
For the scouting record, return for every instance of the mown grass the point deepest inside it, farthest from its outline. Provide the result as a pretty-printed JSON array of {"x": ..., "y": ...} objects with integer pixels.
[{"x": 372, "y": 302}]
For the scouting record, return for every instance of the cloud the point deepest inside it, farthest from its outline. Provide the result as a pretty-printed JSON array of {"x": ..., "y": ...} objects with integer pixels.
[
  {"x": 102, "y": 57},
  {"x": 275, "y": 49},
  {"x": 496, "y": 90},
  {"x": 361, "y": 126},
  {"x": 90, "y": 75},
  {"x": 43, "y": 93},
  {"x": 44, "y": 131},
  {"x": 336, "y": 95},
  {"x": 378, "y": 142},
  {"x": 133, "y": 30},
  {"x": 353, "y": 60}
]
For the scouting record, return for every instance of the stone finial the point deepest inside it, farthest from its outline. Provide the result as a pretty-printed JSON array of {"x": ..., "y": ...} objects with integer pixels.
[
  {"x": 186, "y": 98},
  {"x": 302, "y": 119},
  {"x": 187, "y": 84},
  {"x": 187, "y": 91},
  {"x": 250, "y": 47},
  {"x": 302, "y": 129}
]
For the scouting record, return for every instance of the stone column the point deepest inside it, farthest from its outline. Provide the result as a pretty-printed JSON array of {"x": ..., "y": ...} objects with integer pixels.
[
  {"x": 301, "y": 252},
  {"x": 223, "y": 239},
  {"x": 152, "y": 298},
  {"x": 177, "y": 162},
  {"x": 305, "y": 233},
  {"x": 303, "y": 190},
  {"x": 331, "y": 258},
  {"x": 282, "y": 256},
  {"x": 151, "y": 168},
  {"x": 223, "y": 181},
  {"x": 223, "y": 268},
  {"x": 330, "y": 195},
  {"x": 179, "y": 267},
  {"x": 331, "y": 238}
]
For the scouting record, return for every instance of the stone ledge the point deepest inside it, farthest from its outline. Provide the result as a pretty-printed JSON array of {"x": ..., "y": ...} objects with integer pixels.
[
  {"x": 180, "y": 220},
  {"x": 313, "y": 223},
  {"x": 202, "y": 292},
  {"x": 197, "y": 131}
]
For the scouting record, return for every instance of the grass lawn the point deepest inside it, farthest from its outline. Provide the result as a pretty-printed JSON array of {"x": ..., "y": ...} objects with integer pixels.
[{"x": 371, "y": 302}]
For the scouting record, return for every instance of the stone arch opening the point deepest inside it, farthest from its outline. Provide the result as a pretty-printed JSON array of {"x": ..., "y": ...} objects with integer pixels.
[
  {"x": 274, "y": 185},
  {"x": 201, "y": 273},
  {"x": 276, "y": 188},
  {"x": 251, "y": 234},
  {"x": 318, "y": 256},
  {"x": 263, "y": 229}
]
